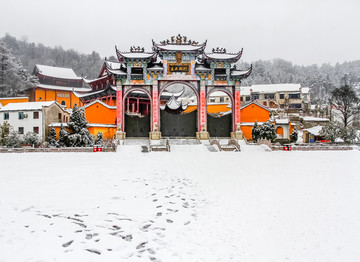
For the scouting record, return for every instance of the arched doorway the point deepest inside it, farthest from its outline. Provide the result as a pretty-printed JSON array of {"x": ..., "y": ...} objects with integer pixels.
[
  {"x": 219, "y": 106},
  {"x": 279, "y": 132},
  {"x": 137, "y": 113},
  {"x": 178, "y": 110}
]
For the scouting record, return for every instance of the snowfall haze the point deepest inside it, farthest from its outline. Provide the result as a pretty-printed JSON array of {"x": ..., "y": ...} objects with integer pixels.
[{"x": 304, "y": 32}]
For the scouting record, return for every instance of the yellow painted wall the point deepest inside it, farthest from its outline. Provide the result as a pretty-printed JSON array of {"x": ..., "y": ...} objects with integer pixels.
[
  {"x": 108, "y": 132},
  {"x": 254, "y": 113},
  {"x": 4, "y": 101},
  {"x": 247, "y": 132},
  {"x": 100, "y": 114},
  {"x": 56, "y": 95}
]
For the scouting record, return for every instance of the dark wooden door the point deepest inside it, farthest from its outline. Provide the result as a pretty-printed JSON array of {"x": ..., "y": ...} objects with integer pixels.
[
  {"x": 219, "y": 126},
  {"x": 137, "y": 126},
  {"x": 178, "y": 125}
]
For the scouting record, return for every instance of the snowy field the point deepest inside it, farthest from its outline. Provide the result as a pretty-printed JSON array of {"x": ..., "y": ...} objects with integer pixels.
[{"x": 187, "y": 205}]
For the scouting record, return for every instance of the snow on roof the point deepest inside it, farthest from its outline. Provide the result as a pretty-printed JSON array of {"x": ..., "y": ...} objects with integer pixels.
[
  {"x": 282, "y": 121},
  {"x": 314, "y": 130},
  {"x": 273, "y": 88},
  {"x": 171, "y": 47},
  {"x": 93, "y": 80},
  {"x": 16, "y": 97},
  {"x": 251, "y": 123},
  {"x": 113, "y": 65},
  {"x": 305, "y": 90},
  {"x": 201, "y": 67},
  {"x": 137, "y": 55},
  {"x": 155, "y": 67},
  {"x": 65, "y": 88},
  {"x": 100, "y": 102},
  {"x": 26, "y": 106},
  {"x": 59, "y": 72},
  {"x": 315, "y": 119},
  {"x": 221, "y": 55},
  {"x": 218, "y": 93}
]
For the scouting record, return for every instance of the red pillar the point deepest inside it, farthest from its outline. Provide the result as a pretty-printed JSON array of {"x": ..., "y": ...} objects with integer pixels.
[
  {"x": 237, "y": 107},
  {"x": 155, "y": 106},
  {"x": 119, "y": 108},
  {"x": 202, "y": 108}
]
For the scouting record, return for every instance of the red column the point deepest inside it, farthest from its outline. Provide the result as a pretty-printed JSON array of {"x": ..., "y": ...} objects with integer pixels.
[
  {"x": 202, "y": 108},
  {"x": 119, "y": 107},
  {"x": 237, "y": 107},
  {"x": 155, "y": 106}
]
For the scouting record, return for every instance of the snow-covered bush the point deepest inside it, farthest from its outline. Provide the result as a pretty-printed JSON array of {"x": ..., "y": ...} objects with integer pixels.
[
  {"x": 99, "y": 139},
  {"x": 267, "y": 131},
  {"x": 294, "y": 136},
  {"x": 13, "y": 140},
  {"x": 32, "y": 139},
  {"x": 348, "y": 134},
  {"x": 4, "y": 132},
  {"x": 255, "y": 132},
  {"x": 331, "y": 131},
  {"x": 52, "y": 137}
]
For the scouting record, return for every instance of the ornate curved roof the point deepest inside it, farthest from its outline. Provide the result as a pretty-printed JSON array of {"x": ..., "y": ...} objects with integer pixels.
[
  {"x": 241, "y": 73},
  {"x": 179, "y": 43},
  {"x": 220, "y": 54},
  {"x": 134, "y": 54}
]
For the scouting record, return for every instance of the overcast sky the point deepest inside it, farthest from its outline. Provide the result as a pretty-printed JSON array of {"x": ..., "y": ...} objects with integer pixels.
[{"x": 302, "y": 31}]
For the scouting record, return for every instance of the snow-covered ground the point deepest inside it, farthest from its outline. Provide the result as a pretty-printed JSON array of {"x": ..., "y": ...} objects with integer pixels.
[{"x": 186, "y": 205}]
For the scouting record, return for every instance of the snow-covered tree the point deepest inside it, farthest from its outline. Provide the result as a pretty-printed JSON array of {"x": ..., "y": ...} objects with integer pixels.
[
  {"x": 345, "y": 100},
  {"x": 14, "y": 78},
  {"x": 79, "y": 136},
  {"x": 32, "y": 139},
  {"x": 63, "y": 137},
  {"x": 331, "y": 131},
  {"x": 4, "y": 132},
  {"x": 347, "y": 134},
  {"x": 13, "y": 140},
  {"x": 52, "y": 137},
  {"x": 267, "y": 131},
  {"x": 294, "y": 136},
  {"x": 99, "y": 138},
  {"x": 255, "y": 132}
]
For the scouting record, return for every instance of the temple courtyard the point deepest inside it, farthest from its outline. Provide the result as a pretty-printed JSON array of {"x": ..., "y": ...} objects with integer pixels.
[{"x": 186, "y": 205}]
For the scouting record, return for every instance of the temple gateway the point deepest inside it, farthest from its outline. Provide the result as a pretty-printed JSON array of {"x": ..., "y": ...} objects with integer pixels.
[{"x": 140, "y": 86}]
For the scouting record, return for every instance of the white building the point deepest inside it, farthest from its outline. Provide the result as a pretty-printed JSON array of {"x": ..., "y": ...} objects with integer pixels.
[{"x": 33, "y": 116}]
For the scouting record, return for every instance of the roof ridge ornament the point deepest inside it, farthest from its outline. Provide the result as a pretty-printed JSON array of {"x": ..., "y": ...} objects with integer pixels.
[
  {"x": 137, "y": 49},
  {"x": 179, "y": 40},
  {"x": 219, "y": 50}
]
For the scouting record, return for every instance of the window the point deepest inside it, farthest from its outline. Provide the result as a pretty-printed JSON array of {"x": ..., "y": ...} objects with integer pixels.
[
  {"x": 59, "y": 116},
  {"x": 295, "y": 105},
  {"x": 294, "y": 96},
  {"x": 36, "y": 115},
  {"x": 63, "y": 103},
  {"x": 36, "y": 129},
  {"x": 212, "y": 100},
  {"x": 254, "y": 96},
  {"x": 248, "y": 98},
  {"x": 21, "y": 115},
  {"x": 6, "y": 116},
  {"x": 21, "y": 130},
  {"x": 269, "y": 96},
  {"x": 282, "y": 96},
  {"x": 221, "y": 99}
]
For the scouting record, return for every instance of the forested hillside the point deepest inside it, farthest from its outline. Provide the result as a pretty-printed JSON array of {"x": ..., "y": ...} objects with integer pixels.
[{"x": 322, "y": 79}]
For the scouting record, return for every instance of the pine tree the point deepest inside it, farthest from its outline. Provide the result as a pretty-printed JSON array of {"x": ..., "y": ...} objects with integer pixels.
[
  {"x": 14, "y": 78},
  {"x": 99, "y": 138},
  {"x": 52, "y": 137},
  {"x": 4, "y": 132},
  {"x": 63, "y": 137},
  {"x": 255, "y": 132},
  {"x": 267, "y": 131},
  {"x": 331, "y": 131},
  {"x": 294, "y": 136},
  {"x": 79, "y": 136}
]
